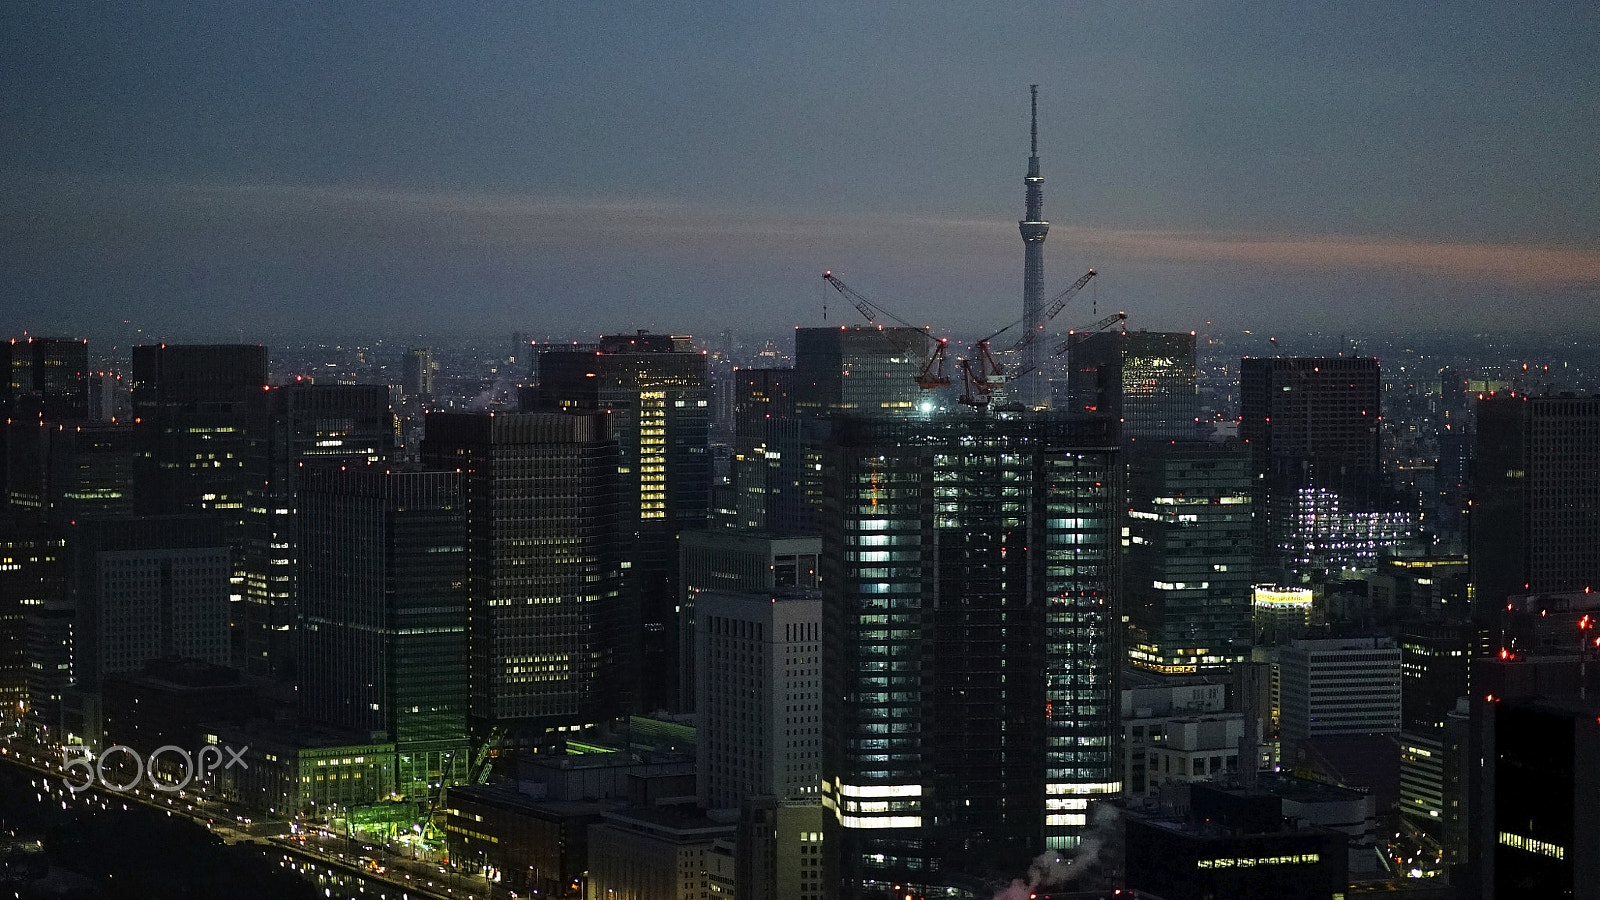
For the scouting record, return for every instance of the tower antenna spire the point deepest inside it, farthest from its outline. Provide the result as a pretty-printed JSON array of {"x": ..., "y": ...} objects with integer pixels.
[
  {"x": 1033, "y": 144},
  {"x": 1035, "y": 387}
]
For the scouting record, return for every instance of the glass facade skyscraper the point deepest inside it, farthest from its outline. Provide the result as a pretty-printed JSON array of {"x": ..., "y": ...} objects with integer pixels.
[
  {"x": 970, "y": 570},
  {"x": 1146, "y": 380},
  {"x": 546, "y": 633},
  {"x": 858, "y": 370},
  {"x": 1190, "y": 566},
  {"x": 383, "y": 607}
]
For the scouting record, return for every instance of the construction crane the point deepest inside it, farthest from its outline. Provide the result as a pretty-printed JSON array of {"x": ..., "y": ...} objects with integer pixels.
[
  {"x": 989, "y": 374},
  {"x": 1098, "y": 326},
  {"x": 932, "y": 374},
  {"x": 868, "y": 309},
  {"x": 1056, "y": 305},
  {"x": 978, "y": 385},
  {"x": 482, "y": 761},
  {"x": 975, "y": 387}
]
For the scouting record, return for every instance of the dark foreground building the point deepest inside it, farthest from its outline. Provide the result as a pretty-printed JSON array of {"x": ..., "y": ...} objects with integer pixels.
[
  {"x": 1236, "y": 846},
  {"x": 1546, "y": 824}
]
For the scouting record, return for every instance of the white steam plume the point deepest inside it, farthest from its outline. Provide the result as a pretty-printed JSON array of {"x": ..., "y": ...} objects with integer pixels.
[{"x": 1049, "y": 869}]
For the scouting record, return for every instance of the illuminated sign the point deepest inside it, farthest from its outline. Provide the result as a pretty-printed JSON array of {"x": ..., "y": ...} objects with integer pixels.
[{"x": 1246, "y": 862}]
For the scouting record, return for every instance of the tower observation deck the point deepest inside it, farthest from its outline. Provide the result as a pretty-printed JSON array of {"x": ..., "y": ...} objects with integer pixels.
[{"x": 1035, "y": 388}]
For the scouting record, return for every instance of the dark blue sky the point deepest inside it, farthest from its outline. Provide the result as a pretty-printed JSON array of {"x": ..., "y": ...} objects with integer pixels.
[{"x": 203, "y": 169}]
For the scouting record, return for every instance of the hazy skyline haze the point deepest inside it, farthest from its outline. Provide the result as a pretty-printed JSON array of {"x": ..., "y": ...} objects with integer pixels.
[{"x": 203, "y": 170}]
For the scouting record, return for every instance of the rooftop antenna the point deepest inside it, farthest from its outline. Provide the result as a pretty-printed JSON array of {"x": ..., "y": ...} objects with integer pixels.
[{"x": 1033, "y": 142}]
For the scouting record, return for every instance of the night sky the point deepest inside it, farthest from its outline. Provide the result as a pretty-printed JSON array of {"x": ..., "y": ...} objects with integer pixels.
[{"x": 239, "y": 169}]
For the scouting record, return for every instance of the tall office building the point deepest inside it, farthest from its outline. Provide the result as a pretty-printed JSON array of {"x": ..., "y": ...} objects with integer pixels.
[
  {"x": 867, "y": 371},
  {"x": 1435, "y": 672},
  {"x": 1534, "y": 746},
  {"x": 108, "y": 397},
  {"x": 60, "y": 472},
  {"x": 417, "y": 371},
  {"x": 654, "y": 388},
  {"x": 1545, "y": 826},
  {"x": 737, "y": 561},
  {"x": 1312, "y": 426},
  {"x": 1146, "y": 380},
  {"x": 383, "y": 614},
  {"x": 1189, "y": 561},
  {"x": 43, "y": 392},
  {"x": 194, "y": 410},
  {"x": 863, "y": 370},
  {"x": 43, "y": 382},
  {"x": 760, "y": 696},
  {"x": 44, "y": 378},
  {"x": 89, "y": 472},
  {"x": 775, "y": 484},
  {"x": 970, "y": 626},
  {"x": 300, "y": 424},
  {"x": 1535, "y": 520},
  {"x": 32, "y": 579},
  {"x": 547, "y": 643}
]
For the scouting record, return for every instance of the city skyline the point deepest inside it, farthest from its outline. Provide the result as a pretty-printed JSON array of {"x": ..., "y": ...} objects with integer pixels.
[{"x": 202, "y": 173}]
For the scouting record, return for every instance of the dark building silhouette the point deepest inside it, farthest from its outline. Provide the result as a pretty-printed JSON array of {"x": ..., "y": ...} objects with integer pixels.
[
  {"x": 970, "y": 570},
  {"x": 65, "y": 471},
  {"x": 1529, "y": 776},
  {"x": 171, "y": 703},
  {"x": 1312, "y": 426},
  {"x": 774, "y": 483},
  {"x": 549, "y": 644},
  {"x": 43, "y": 382},
  {"x": 1535, "y": 521},
  {"x": 196, "y": 411},
  {"x": 1189, "y": 560},
  {"x": 44, "y": 378},
  {"x": 1237, "y": 845},
  {"x": 416, "y": 376},
  {"x": 197, "y": 424},
  {"x": 300, "y": 424},
  {"x": 1146, "y": 380},
  {"x": 1435, "y": 673},
  {"x": 32, "y": 580},
  {"x": 860, "y": 370},
  {"x": 383, "y": 614},
  {"x": 1546, "y": 825},
  {"x": 540, "y": 846},
  {"x": 654, "y": 389}
]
